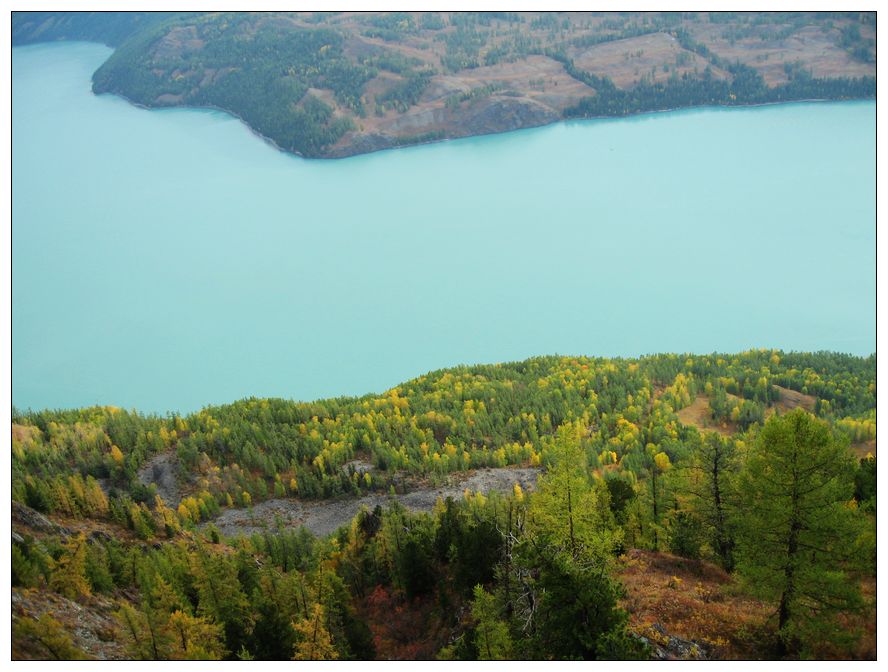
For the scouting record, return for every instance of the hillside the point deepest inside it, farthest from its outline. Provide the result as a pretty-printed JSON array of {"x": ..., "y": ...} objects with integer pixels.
[
  {"x": 338, "y": 84},
  {"x": 456, "y": 513}
]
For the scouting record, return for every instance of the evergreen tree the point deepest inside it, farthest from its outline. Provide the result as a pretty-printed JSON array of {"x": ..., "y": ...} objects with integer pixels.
[
  {"x": 47, "y": 636},
  {"x": 194, "y": 638},
  {"x": 313, "y": 638},
  {"x": 714, "y": 467},
  {"x": 491, "y": 633},
  {"x": 797, "y": 529},
  {"x": 221, "y": 597},
  {"x": 567, "y": 515},
  {"x": 69, "y": 570}
]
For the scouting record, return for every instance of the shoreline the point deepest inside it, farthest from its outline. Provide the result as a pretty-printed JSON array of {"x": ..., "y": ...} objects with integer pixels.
[
  {"x": 23, "y": 411},
  {"x": 448, "y": 138},
  {"x": 347, "y": 150}
]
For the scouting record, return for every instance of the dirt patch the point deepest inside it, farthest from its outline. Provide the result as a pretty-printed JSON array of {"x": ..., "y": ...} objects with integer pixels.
[
  {"x": 693, "y": 600},
  {"x": 25, "y": 519},
  {"x": 541, "y": 86},
  {"x": 25, "y": 433},
  {"x": 359, "y": 467},
  {"x": 655, "y": 57},
  {"x": 864, "y": 448},
  {"x": 698, "y": 601},
  {"x": 162, "y": 471},
  {"x": 169, "y": 99},
  {"x": 323, "y": 517},
  {"x": 699, "y": 415},
  {"x": 534, "y": 76},
  {"x": 790, "y": 399},
  {"x": 814, "y": 47},
  {"x": 26, "y": 522},
  {"x": 177, "y": 42}
]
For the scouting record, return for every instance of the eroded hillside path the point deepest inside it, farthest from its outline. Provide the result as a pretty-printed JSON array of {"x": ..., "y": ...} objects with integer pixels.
[{"x": 325, "y": 516}]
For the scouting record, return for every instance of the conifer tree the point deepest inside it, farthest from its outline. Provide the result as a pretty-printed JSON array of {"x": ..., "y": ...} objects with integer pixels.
[
  {"x": 313, "y": 638},
  {"x": 566, "y": 513},
  {"x": 69, "y": 571},
  {"x": 220, "y": 596},
  {"x": 47, "y": 636},
  {"x": 194, "y": 638},
  {"x": 798, "y": 529},
  {"x": 714, "y": 467},
  {"x": 491, "y": 633}
]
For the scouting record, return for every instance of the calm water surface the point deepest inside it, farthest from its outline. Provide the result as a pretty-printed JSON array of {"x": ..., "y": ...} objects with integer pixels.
[{"x": 165, "y": 260}]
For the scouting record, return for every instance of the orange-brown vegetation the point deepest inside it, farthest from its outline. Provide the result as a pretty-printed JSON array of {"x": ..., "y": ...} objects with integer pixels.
[
  {"x": 627, "y": 61},
  {"x": 694, "y": 600},
  {"x": 699, "y": 415},
  {"x": 816, "y": 47},
  {"x": 790, "y": 399},
  {"x": 864, "y": 448},
  {"x": 698, "y": 601},
  {"x": 403, "y": 629}
]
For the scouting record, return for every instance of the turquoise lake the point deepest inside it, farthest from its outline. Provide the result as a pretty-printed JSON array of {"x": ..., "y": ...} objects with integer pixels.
[{"x": 166, "y": 260}]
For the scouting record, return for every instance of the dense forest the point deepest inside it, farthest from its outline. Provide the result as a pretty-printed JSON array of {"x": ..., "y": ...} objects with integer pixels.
[
  {"x": 750, "y": 478},
  {"x": 340, "y": 83}
]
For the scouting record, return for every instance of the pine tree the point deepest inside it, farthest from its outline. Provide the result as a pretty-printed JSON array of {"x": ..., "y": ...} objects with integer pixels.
[
  {"x": 568, "y": 607},
  {"x": 69, "y": 571},
  {"x": 46, "y": 636},
  {"x": 313, "y": 638},
  {"x": 715, "y": 465},
  {"x": 797, "y": 529},
  {"x": 140, "y": 645},
  {"x": 220, "y": 595},
  {"x": 566, "y": 513},
  {"x": 491, "y": 633},
  {"x": 194, "y": 638}
]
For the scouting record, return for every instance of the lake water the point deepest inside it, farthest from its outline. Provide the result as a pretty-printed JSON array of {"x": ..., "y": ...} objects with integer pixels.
[{"x": 165, "y": 260}]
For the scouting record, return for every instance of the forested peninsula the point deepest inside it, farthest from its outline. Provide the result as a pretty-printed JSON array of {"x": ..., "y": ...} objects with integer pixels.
[
  {"x": 335, "y": 84},
  {"x": 672, "y": 506}
]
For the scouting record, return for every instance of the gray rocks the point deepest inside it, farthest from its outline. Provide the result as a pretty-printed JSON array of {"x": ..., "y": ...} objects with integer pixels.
[
  {"x": 161, "y": 471},
  {"x": 669, "y": 647},
  {"x": 493, "y": 114},
  {"x": 363, "y": 143},
  {"x": 498, "y": 114},
  {"x": 323, "y": 517},
  {"x": 25, "y": 516}
]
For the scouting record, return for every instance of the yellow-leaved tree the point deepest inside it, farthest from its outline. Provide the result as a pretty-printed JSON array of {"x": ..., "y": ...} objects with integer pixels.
[
  {"x": 569, "y": 606},
  {"x": 313, "y": 638},
  {"x": 43, "y": 638},
  {"x": 195, "y": 638},
  {"x": 69, "y": 571},
  {"x": 568, "y": 512}
]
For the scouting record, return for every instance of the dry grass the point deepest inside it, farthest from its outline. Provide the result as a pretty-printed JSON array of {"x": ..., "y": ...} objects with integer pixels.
[
  {"x": 627, "y": 61},
  {"x": 815, "y": 48},
  {"x": 864, "y": 448},
  {"x": 790, "y": 399},
  {"x": 698, "y": 601},
  {"x": 694, "y": 600},
  {"x": 699, "y": 415}
]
